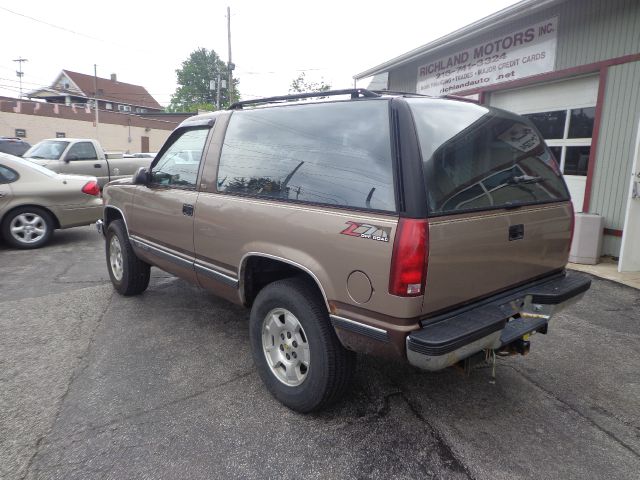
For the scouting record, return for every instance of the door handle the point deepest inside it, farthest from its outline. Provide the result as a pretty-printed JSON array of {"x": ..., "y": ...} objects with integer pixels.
[
  {"x": 516, "y": 232},
  {"x": 187, "y": 209},
  {"x": 97, "y": 165},
  {"x": 2, "y": 194}
]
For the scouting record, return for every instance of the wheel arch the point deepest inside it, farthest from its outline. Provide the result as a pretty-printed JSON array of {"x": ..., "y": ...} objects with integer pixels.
[
  {"x": 279, "y": 267},
  {"x": 56, "y": 222},
  {"x": 111, "y": 214}
]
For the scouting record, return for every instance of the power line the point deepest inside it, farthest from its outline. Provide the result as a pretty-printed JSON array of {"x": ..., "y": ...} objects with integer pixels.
[
  {"x": 51, "y": 24},
  {"x": 68, "y": 30}
]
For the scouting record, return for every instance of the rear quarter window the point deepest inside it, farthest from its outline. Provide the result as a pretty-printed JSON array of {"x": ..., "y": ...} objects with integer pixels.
[
  {"x": 335, "y": 153},
  {"x": 476, "y": 158},
  {"x": 8, "y": 175}
]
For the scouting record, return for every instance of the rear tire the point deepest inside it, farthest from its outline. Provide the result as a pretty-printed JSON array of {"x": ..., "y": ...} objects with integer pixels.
[
  {"x": 129, "y": 275},
  {"x": 28, "y": 227},
  {"x": 295, "y": 348}
]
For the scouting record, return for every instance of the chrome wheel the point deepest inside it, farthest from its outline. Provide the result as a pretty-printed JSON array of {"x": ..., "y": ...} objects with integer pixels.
[
  {"x": 28, "y": 228},
  {"x": 285, "y": 347},
  {"x": 115, "y": 258}
]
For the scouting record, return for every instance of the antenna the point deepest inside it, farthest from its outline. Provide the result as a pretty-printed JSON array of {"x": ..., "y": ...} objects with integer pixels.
[{"x": 19, "y": 72}]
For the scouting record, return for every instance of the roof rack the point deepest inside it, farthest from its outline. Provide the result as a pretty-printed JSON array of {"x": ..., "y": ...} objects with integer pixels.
[
  {"x": 354, "y": 92},
  {"x": 460, "y": 99},
  {"x": 397, "y": 92}
]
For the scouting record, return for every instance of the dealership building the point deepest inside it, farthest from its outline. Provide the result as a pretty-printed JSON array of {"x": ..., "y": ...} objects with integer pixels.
[{"x": 573, "y": 68}]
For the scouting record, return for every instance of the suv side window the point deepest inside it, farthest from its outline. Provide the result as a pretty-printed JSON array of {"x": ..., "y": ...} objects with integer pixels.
[
  {"x": 335, "y": 153},
  {"x": 82, "y": 151},
  {"x": 178, "y": 166}
]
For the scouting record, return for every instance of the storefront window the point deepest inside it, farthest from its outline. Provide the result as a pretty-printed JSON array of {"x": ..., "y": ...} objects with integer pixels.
[
  {"x": 576, "y": 160},
  {"x": 550, "y": 124},
  {"x": 568, "y": 134},
  {"x": 557, "y": 153},
  {"x": 581, "y": 122}
]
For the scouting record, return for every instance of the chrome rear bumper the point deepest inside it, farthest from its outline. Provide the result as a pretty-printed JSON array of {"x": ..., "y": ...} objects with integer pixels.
[{"x": 494, "y": 323}]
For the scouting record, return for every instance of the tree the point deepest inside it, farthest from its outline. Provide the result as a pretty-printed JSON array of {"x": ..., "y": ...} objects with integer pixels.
[
  {"x": 194, "y": 79},
  {"x": 302, "y": 85}
]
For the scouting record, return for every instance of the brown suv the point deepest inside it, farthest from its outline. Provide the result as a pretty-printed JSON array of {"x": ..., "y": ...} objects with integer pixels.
[{"x": 431, "y": 230}]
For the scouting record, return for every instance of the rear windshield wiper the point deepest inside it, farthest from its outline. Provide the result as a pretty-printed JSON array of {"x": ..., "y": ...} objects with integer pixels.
[{"x": 523, "y": 179}]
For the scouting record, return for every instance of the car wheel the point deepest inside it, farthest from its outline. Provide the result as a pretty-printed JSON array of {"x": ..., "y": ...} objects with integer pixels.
[
  {"x": 295, "y": 348},
  {"x": 28, "y": 227},
  {"x": 129, "y": 274}
]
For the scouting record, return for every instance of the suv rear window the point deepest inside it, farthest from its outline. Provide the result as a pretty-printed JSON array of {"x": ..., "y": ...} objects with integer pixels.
[
  {"x": 477, "y": 158},
  {"x": 336, "y": 153}
]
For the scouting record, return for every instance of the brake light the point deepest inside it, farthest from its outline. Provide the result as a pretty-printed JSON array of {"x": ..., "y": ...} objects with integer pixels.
[
  {"x": 91, "y": 188},
  {"x": 410, "y": 258}
]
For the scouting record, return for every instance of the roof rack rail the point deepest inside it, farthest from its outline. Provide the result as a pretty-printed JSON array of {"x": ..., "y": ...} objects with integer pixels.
[
  {"x": 397, "y": 92},
  {"x": 354, "y": 92},
  {"x": 460, "y": 98}
]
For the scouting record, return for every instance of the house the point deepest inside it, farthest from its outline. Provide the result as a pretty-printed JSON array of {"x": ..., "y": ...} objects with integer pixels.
[{"x": 71, "y": 88}]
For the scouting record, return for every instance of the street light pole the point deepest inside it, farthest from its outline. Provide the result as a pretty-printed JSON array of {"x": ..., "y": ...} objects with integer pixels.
[
  {"x": 230, "y": 65},
  {"x": 95, "y": 94},
  {"x": 20, "y": 73}
]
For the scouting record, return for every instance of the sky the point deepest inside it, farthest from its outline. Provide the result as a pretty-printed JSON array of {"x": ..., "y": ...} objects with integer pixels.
[{"x": 272, "y": 41}]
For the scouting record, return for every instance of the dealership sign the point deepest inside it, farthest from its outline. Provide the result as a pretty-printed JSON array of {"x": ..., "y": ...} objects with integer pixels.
[{"x": 528, "y": 51}]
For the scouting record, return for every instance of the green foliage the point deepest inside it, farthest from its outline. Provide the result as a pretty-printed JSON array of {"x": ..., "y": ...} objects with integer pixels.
[
  {"x": 302, "y": 85},
  {"x": 193, "y": 78}
]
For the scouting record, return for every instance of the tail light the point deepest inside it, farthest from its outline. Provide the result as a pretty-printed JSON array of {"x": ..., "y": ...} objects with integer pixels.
[
  {"x": 91, "y": 188},
  {"x": 410, "y": 258}
]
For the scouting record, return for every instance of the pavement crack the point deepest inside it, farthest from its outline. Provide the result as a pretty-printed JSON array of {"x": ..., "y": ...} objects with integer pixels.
[
  {"x": 445, "y": 451},
  {"x": 80, "y": 367},
  {"x": 99, "y": 428},
  {"x": 619, "y": 441}
]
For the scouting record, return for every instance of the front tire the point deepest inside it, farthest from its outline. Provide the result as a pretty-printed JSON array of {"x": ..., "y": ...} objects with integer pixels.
[
  {"x": 295, "y": 348},
  {"x": 28, "y": 227},
  {"x": 129, "y": 275}
]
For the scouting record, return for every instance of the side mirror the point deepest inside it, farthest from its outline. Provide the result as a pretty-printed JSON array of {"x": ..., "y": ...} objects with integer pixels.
[{"x": 141, "y": 177}]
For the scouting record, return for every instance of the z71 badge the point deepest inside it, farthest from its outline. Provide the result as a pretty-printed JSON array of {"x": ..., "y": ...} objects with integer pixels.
[{"x": 364, "y": 230}]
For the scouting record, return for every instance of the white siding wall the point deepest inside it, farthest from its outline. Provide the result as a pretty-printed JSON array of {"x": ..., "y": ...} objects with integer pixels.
[{"x": 111, "y": 137}]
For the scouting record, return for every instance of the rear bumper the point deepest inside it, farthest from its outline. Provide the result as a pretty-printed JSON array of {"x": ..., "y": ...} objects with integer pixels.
[{"x": 493, "y": 323}]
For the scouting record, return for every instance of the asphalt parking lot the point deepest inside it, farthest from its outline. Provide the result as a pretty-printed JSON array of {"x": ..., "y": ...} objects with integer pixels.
[{"x": 94, "y": 385}]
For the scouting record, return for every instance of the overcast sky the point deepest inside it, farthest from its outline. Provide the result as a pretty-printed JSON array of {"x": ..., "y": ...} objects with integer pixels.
[{"x": 272, "y": 41}]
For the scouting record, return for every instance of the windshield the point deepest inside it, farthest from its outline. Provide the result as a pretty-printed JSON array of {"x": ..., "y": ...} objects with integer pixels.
[
  {"x": 477, "y": 158},
  {"x": 47, "y": 150}
]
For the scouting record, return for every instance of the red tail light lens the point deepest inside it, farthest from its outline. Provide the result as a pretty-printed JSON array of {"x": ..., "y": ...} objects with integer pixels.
[
  {"x": 410, "y": 257},
  {"x": 91, "y": 188}
]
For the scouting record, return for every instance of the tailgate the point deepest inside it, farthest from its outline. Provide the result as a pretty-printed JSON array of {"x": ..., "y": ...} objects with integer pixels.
[{"x": 477, "y": 254}]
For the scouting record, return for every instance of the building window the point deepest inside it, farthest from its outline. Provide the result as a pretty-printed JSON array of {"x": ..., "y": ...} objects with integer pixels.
[
  {"x": 21, "y": 133},
  {"x": 108, "y": 106},
  {"x": 60, "y": 135},
  {"x": 141, "y": 110},
  {"x": 568, "y": 134},
  {"x": 124, "y": 108}
]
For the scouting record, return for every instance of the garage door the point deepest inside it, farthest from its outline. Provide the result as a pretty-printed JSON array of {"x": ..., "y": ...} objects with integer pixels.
[{"x": 564, "y": 112}]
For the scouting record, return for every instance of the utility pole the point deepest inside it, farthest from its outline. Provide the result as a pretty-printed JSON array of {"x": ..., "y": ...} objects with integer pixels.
[
  {"x": 230, "y": 66},
  {"x": 218, "y": 92},
  {"x": 95, "y": 94},
  {"x": 20, "y": 73}
]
